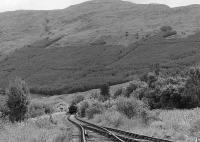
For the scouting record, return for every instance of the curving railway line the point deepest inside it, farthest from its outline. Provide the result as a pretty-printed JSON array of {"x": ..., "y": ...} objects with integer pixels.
[{"x": 95, "y": 133}]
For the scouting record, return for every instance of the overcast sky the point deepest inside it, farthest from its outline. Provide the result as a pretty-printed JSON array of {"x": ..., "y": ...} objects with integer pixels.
[{"x": 9, "y": 5}]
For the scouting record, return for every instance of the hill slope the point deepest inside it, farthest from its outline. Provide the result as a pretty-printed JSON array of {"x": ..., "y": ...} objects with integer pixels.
[{"x": 95, "y": 42}]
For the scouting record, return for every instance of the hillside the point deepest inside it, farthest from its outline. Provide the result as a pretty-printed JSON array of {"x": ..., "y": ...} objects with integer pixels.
[{"x": 95, "y": 42}]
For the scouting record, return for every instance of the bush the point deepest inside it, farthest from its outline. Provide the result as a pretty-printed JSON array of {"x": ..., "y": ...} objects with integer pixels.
[
  {"x": 152, "y": 98},
  {"x": 166, "y": 28},
  {"x": 195, "y": 128},
  {"x": 192, "y": 86},
  {"x": 36, "y": 110},
  {"x": 171, "y": 96},
  {"x": 156, "y": 68},
  {"x": 117, "y": 93},
  {"x": 39, "y": 109},
  {"x": 3, "y": 106},
  {"x": 43, "y": 122},
  {"x": 94, "y": 108},
  {"x": 131, "y": 87},
  {"x": 95, "y": 95},
  {"x": 150, "y": 78},
  {"x": 48, "y": 109},
  {"x": 113, "y": 118},
  {"x": 77, "y": 99},
  {"x": 18, "y": 100},
  {"x": 141, "y": 87},
  {"x": 82, "y": 107},
  {"x": 130, "y": 107},
  {"x": 105, "y": 91},
  {"x": 110, "y": 118},
  {"x": 169, "y": 92}
]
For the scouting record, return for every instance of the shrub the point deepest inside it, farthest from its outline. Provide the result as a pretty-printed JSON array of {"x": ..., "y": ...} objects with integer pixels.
[
  {"x": 113, "y": 118},
  {"x": 117, "y": 93},
  {"x": 44, "y": 122},
  {"x": 144, "y": 77},
  {"x": 110, "y": 118},
  {"x": 39, "y": 109},
  {"x": 167, "y": 92},
  {"x": 3, "y": 106},
  {"x": 166, "y": 28},
  {"x": 152, "y": 98},
  {"x": 141, "y": 87},
  {"x": 77, "y": 99},
  {"x": 82, "y": 107},
  {"x": 192, "y": 86},
  {"x": 95, "y": 95},
  {"x": 152, "y": 78},
  {"x": 171, "y": 96},
  {"x": 156, "y": 68},
  {"x": 18, "y": 100},
  {"x": 130, "y": 107},
  {"x": 48, "y": 108},
  {"x": 95, "y": 108},
  {"x": 36, "y": 109},
  {"x": 105, "y": 91},
  {"x": 60, "y": 107},
  {"x": 195, "y": 128},
  {"x": 131, "y": 87}
]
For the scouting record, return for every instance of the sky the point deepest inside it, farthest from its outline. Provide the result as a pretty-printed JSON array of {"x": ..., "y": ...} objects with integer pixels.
[{"x": 10, "y": 5}]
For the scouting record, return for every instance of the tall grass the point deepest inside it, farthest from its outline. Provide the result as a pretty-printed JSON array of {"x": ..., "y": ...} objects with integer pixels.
[
  {"x": 130, "y": 107},
  {"x": 36, "y": 130}
]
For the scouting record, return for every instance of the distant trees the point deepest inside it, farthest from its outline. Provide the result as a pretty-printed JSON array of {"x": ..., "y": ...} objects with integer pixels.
[
  {"x": 156, "y": 68},
  {"x": 167, "y": 31},
  {"x": 178, "y": 91},
  {"x": 192, "y": 86},
  {"x": 126, "y": 34},
  {"x": 18, "y": 100},
  {"x": 166, "y": 28},
  {"x": 117, "y": 93},
  {"x": 105, "y": 92},
  {"x": 137, "y": 35}
]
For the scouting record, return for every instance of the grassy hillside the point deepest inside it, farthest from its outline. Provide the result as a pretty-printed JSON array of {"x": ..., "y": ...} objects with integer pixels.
[{"x": 95, "y": 42}]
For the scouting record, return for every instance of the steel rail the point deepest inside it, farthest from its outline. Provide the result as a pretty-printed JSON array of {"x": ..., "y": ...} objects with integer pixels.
[
  {"x": 101, "y": 130},
  {"x": 81, "y": 128},
  {"x": 128, "y": 134}
]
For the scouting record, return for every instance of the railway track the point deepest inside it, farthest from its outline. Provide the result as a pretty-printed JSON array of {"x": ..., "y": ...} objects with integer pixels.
[
  {"x": 115, "y": 134},
  {"x": 82, "y": 130},
  {"x": 96, "y": 133},
  {"x": 92, "y": 133}
]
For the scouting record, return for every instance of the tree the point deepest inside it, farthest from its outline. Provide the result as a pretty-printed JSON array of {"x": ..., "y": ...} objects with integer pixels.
[
  {"x": 18, "y": 100},
  {"x": 192, "y": 86},
  {"x": 156, "y": 68},
  {"x": 152, "y": 78},
  {"x": 105, "y": 91},
  {"x": 166, "y": 28}
]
